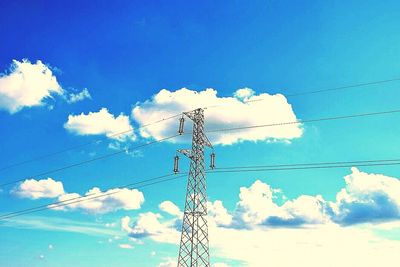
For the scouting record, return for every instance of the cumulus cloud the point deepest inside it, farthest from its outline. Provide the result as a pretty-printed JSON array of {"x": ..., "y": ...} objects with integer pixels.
[
  {"x": 35, "y": 189},
  {"x": 302, "y": 210},
  {"x": 218, "y": 214},
  {"x": 148, "y": 225},
  {"x": 241, "y": 109},
  {"x": 309, "y": 246},
  {"x": 125, "y": 224},
  {"x": 101, "y": 122},
  {"x": 26, "y": 85},
  {"x": 170, "y": 208},
  {"x": 244, "y": 93},
  {"x": 312, "y": 245},
  {"x": 84, "y": 94},
  {"x": 367, "y": 198},
  {"x": 257, "y": 205},
  {"x": 113, "y": 199}
]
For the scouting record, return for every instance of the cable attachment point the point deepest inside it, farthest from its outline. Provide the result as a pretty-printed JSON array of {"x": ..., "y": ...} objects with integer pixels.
[
  {"x": 181, "y": 125},
  {"x": 212, "y": 161},
  {"x": 176, "y": 164}
]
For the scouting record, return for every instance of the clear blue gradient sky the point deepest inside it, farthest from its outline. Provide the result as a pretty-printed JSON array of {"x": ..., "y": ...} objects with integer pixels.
[{"x": 124, "y": 52}]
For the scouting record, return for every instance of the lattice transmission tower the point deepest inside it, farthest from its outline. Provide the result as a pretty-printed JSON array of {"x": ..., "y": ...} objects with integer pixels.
[{"x": 193, "y": 251}]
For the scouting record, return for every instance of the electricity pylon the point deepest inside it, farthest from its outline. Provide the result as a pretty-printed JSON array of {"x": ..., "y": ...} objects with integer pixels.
[{"x": 193, "y": 251}]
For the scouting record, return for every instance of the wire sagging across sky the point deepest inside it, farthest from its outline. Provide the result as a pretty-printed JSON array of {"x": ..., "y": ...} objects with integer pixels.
[
  {"x": 89, "y": 161},
  {"x": 323, "y": 90},
  {"x": 228, "y": 169},
  {"x": 352, "y": 116}
]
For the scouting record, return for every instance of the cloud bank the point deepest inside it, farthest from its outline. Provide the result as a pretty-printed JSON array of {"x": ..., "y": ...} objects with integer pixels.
[
  {"x": 113, "y": 200},
  {"x": 91, "y": 202},
  {"x": 307, "y": 228},
  {"x": 241, "y": 109},
  {"x": 26, "y": 85},
  {"x": 365, "y": 198}
]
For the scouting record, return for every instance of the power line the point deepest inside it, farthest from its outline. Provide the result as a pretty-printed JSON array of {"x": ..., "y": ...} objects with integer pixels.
[
  {"x": 324, "y": 90},
  {"x": 227, "y": 169},
  {"x": 80, "y": 145},
  {"x": 88, "y": 161},
  {"x": 230, "y": 169},
  {"x": 177, "y": 115},
  {"x": 209, "y": 131},
  {"x": 305, "y": 121},
  {"x": 354, "y": 163},
  {"x": 91, "y": 196}
]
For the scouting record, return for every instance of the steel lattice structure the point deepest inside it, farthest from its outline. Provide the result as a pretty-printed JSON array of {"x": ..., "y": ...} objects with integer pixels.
[{"x": 193, "y": 251}]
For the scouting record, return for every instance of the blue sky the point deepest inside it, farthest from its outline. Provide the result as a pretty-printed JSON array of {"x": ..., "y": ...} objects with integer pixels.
[{"x": 82, "y": 69}]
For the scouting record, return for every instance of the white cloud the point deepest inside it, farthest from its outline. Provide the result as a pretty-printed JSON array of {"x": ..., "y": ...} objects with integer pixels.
[
  {"x": 35, "y": 189},
  {"x": 26, "y": 85},
  {"x": 168, "y": 262},
  {"x": 84, "y": 94},
  {"x": 218, "y": 213},
  {"x": 244, "y": 93},
  {"x": 329, "y": 236},
  {"x": 231, "y": 112},
  {"x": 113, "y": 199},
  {"x": 170, "y": 208},
  {"x": 101, "y": 122},
  {"x": 126, "y": 246},
  {"x": 93, "y": 201},
  {"x": 125, "y": 224},
  {"x": 367, "y": 198},
  {"x": 148, "y": 225},
  {"x": 256, "y": 204},
  {"x": 326, "y": 245},
  {"x": 303, "y": 210}
]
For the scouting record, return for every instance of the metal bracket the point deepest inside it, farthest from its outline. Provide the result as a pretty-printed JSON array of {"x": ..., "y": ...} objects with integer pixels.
[{"x": 186, "y": 152}]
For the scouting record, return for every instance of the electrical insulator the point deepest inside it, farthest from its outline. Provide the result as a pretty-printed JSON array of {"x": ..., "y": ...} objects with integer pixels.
[
  {"x": 176, "y": 164},
  {"x": 212, "y": 161},
  {"x": 181, "y": 124}
]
